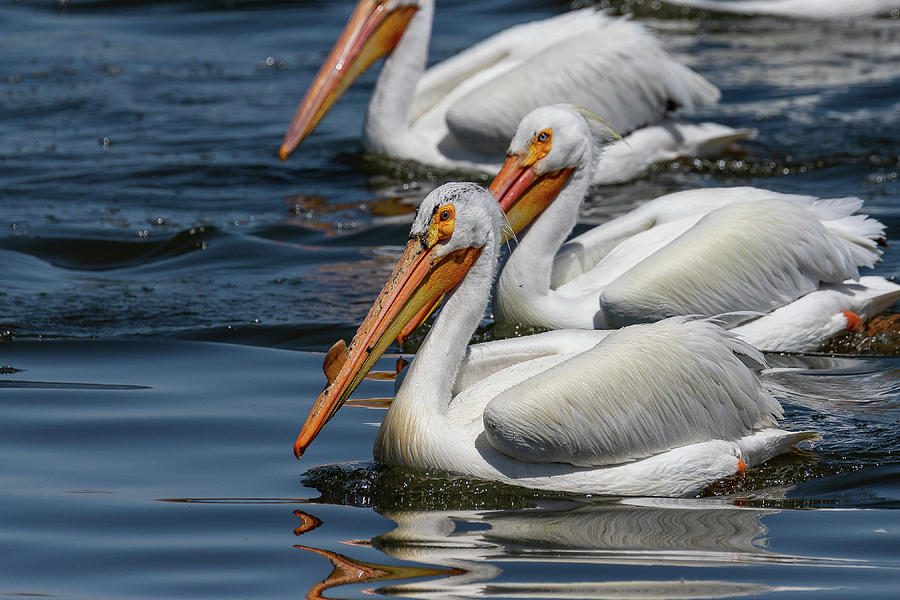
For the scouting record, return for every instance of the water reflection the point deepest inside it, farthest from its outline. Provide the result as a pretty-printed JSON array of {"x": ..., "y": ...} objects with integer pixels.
[
  {"x": 474, "y": 548},
  {"x": 346, "y": 571}
]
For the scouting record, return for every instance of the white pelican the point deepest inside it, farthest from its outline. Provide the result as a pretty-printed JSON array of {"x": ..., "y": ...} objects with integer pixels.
[
  {"x": 657, "y": 409},
  {"x": 463, "y": 111},
  {"x": 810, "y": 9},
  {"x": 790, "y": 263}
]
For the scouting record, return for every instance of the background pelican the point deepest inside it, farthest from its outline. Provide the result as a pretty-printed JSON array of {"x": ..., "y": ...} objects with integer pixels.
[
  {"x": 793, "y": 259},
  {"x": 463, "y": 111},
  {"x": 812, "y": 9},
  {"x": 658, "y": 409}
]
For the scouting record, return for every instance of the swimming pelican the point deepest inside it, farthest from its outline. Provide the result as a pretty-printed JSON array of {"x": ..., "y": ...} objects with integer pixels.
[
  {"x": 810, "y": 9},
  {"x": 463, "y": 111},
  {"x": 790, "y": 263},
  {"x": 656, "y": 409}
]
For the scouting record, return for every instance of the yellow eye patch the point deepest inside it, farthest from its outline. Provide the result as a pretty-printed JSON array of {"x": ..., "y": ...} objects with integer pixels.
[
  {"x": 539, "y": 148},
  {"x": 443, "y": 221}
]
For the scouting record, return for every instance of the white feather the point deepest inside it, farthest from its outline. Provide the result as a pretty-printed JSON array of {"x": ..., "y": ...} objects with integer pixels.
[
  {"x": 697, "y": 252},
  {"x": 658, "y": 409},
  {"x": 743, "y": 257},
  {"x": 812, "y": 9},
  {"x": 611, "y": 405},
  {"x": 801, "y": 326},
  {"x": 461, "y": 112}
]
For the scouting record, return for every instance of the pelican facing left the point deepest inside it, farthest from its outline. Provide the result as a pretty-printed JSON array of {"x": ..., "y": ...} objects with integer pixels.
[
  {"x": 787, "y": 267},
  {"x": 657, "y": 409},
  {"x": 462, "y": 112}
]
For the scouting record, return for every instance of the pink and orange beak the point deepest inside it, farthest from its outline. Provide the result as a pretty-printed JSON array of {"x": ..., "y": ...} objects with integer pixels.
[
  {"x": 522, "y": 192},
  {"x": 421, "y": 276},
  {"x": 371, "y": 33}
]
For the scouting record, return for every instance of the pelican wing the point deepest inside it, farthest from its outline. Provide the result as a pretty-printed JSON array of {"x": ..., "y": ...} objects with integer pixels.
[
  {"x": 497, "y": 54},
  {"x": 611, "y": 66},
  {"x": 815, "y": 9},
  {"x": 749, "y": 256},
  {"x": 501, "y": 51},
  {"x": 642, "y": 390},
  {"x": 583, "y": 252}
]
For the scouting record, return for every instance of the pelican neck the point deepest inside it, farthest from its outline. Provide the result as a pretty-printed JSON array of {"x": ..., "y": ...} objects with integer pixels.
[{"x": 387, "y": 118}]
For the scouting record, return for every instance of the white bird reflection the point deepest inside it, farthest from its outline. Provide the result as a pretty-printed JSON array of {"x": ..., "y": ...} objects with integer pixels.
[{"x": 472, "y": 547}]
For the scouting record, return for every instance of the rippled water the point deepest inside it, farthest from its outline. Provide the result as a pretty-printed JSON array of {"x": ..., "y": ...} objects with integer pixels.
[{"x": 167, "y": 287}]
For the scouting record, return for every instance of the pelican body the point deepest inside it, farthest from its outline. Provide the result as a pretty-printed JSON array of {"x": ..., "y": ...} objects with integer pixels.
[
  {"x": 655, "y": 409},
  {"x": 462, "y": 112},
  {"x": 788, "y": 264},
  {"x": 809, "y": 9}
]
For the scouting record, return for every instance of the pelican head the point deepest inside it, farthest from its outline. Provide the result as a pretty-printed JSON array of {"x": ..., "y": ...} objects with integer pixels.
[
  {"x": 550, "y": 143},
  {"x": 453, "y": 224},
  {"x": 372, "y": 32}
]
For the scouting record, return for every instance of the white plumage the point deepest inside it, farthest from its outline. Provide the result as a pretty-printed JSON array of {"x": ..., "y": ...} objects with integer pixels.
[
  {"x": 616, "y": 406},
  {"x": 697, "y": 252},
  {"x": 656, "y": 409},
  {"x": 810, "y": 9},
  {"x": 462, "y": 111}
]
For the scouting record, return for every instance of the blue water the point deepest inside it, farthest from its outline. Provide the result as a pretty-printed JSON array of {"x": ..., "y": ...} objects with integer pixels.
[{"x": 168, "y": 286}]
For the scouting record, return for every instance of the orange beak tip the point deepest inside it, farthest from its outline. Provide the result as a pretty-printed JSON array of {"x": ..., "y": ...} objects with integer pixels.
[
  {"x": 298, "y": 449},
  {"x": 283, "y": 153}
]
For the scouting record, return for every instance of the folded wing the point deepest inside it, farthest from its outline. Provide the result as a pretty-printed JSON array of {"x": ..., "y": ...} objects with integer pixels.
[
  {"x": 614, "y": 67},
  {"x": 749, "y": 256},
  {"x": 641, "y": 391}
]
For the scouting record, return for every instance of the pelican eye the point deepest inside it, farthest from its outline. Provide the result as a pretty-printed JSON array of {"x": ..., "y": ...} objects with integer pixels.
[
  {"x": 540, "y": 146},
  {"x": 443, "y": 221}
]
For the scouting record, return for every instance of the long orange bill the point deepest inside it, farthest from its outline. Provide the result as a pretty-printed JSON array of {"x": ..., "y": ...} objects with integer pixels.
[
  {"x": 419, "y": 277},
  {"x": 523, "y": 194},
  {"x": 417, "y": 320},
  {"x": 371, "y": 33}
]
